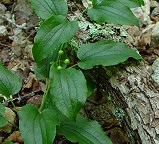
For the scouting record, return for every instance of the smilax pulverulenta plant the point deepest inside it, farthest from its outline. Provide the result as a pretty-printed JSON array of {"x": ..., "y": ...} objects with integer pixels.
[{"x": 66, "y": 86}]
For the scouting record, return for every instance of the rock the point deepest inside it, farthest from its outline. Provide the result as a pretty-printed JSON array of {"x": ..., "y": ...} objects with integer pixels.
[
  {"x": 6, "y": 1},
  {"x": 149, "y": 27},
  {"x": 2, "y": 9},
  {"x": 146, "y": 36},
  {"x": 1, "y": 21},
  {"x": 11, "y": 117},
  {"x": 155, "y": 35},
  {"x": 134, "y": 34},
  {"x": 154, "y": 4},
  {"x": 146, "y": 7},
  {"x": 3, "y": 31},
  {"x": 143, "y": 13},
  {"x": 155, "y": 12}
]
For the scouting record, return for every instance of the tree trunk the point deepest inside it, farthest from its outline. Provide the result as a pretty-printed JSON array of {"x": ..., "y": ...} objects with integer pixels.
[
  {"x": 131, "y": 87},
  {"x": 134, "y": 90}
]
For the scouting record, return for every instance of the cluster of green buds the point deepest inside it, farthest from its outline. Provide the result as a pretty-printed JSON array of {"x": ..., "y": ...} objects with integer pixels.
[{"x": 66, "y": 61}]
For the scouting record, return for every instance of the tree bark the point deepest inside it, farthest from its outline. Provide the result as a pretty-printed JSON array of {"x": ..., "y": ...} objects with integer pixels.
[{"x": 134, "y": 90}]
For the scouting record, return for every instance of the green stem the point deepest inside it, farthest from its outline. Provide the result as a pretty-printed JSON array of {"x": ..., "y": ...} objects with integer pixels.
[
  {"x": 12, "y": 103},
  {"x": 73, "y": 66},
  {"x": 59, "y": 56},
  {"x": 45, "y": 95},
  {"x": 81, "y": 14}
]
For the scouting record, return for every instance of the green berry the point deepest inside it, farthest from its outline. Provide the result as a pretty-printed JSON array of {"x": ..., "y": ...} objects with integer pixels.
[
  {"x": 61, "y": 52},
  {"x": 59, "y": 68},
  {"x": 67, "y": 61}
]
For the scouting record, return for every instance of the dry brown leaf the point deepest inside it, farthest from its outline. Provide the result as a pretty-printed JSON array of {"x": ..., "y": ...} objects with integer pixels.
[
  {"x": 15, "y": 137},
  {"x": 145, "y": 39},
  {"x": 16, "y": 48}
]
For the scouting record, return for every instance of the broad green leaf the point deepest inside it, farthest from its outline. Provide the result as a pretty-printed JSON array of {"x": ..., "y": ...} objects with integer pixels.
[
  {"x": 112, "y": 11},
  {"x": 3, "y": 120},
  {"x": 53, "y": 33},
  {"x": 48, "y": 104},
  {"x": 68, "y": 90},
  {"x": 129, "y": 3},
  {"x": 94, "y": 1},
  {"x": 83, "y": 131},
  {"x": 105, "y": 52},
  {"x": 38, "y": 127},
  {"x": 47, "y": 8},
  {"x": 132, "y": 3},
  {"x": 9, "y": 83},
  {"x": 43, "y": 68}
]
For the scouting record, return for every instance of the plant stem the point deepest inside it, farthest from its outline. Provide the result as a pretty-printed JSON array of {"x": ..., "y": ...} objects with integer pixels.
[
  {"x": 12, "y": 103},
  {"x": 73, "y": 66},
  {"x": 81, "y": 14},
  {"x": 59, "y": 56},
  {"x": 45, "y": 95}
]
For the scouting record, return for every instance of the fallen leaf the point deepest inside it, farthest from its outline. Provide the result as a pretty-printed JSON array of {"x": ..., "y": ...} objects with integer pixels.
[
  {"x": 15, "y": 137},
  {"x": 145, "y": 39}
]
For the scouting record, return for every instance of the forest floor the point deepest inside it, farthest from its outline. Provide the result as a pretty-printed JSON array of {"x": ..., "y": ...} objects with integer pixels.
[{"x": 18, "y": 26}]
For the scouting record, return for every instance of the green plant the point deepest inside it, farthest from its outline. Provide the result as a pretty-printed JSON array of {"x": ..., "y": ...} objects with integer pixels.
[{"x": 66, "y": 86}]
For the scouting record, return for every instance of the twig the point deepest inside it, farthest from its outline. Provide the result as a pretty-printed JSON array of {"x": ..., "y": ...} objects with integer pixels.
[
  {"x": 5, "y": 45},
  {"x": 73, "y": 66}
]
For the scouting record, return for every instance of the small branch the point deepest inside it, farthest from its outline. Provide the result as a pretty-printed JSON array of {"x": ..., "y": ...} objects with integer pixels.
[{"x": 73, "y": 66}]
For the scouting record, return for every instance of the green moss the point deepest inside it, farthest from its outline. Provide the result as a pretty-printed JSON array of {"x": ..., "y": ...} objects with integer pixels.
[{"x": 119, "y": 114}]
